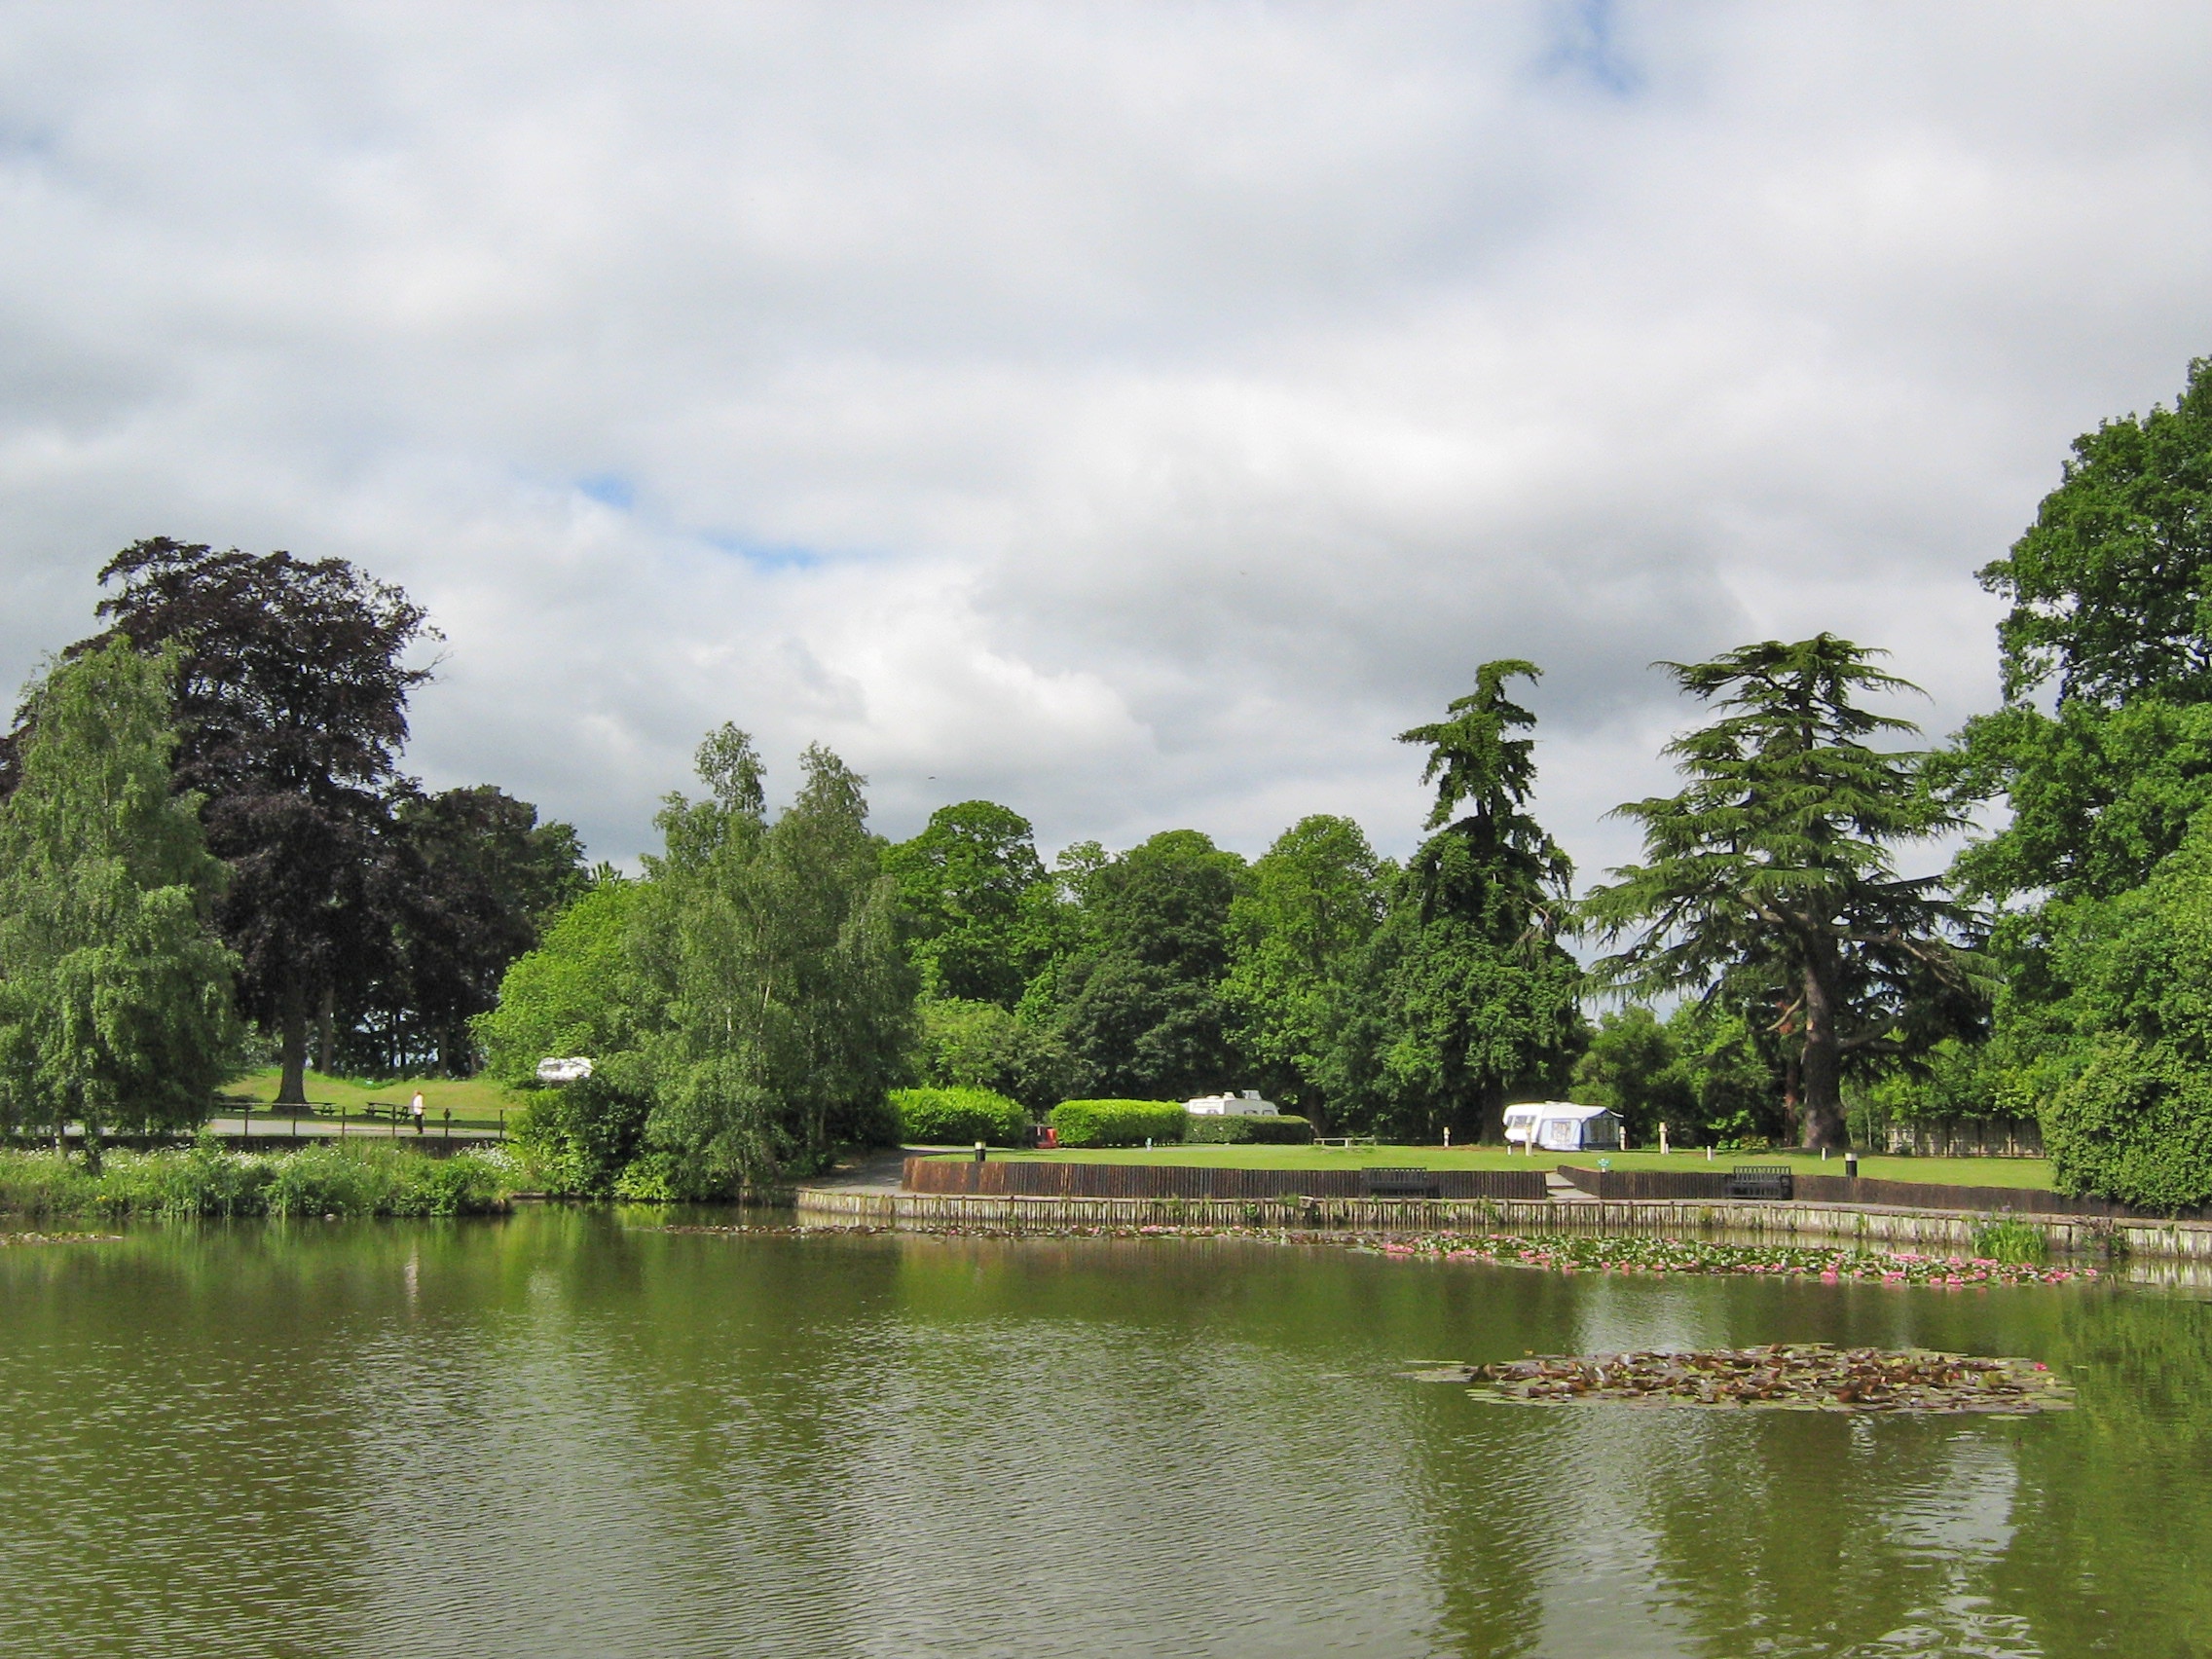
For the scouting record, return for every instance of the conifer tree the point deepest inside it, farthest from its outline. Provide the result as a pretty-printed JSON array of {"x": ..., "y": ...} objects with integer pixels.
[
  {"x": 1775, "y": 867},
  {"x": 1467, "y": 994}
]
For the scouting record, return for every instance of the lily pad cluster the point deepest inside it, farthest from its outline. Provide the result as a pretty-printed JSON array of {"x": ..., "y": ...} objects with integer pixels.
[
  {"x": 1555, "y": 1252},
  {"x": 1800, "y": 1377},
  {"x": 1595, "y": 1253}
]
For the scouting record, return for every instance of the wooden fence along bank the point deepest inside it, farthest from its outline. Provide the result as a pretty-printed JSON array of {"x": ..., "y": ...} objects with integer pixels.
[{"x": 1047, "y": 1197}]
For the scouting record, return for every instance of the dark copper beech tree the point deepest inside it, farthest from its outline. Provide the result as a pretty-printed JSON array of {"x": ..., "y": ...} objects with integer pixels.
[{"x": 290, "y": 713}]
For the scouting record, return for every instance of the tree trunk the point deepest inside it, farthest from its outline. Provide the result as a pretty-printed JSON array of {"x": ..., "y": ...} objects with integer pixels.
[
  {"x": 88, "y": 1125},
  {"x": 1491, "y": 1127},
  {"x": 1820, "y": 1069},
  {"x": 293, "y": 1036}
]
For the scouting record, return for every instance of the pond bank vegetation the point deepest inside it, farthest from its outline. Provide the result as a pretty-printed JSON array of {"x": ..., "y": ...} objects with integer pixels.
[{"x": 205, "y": 1179}]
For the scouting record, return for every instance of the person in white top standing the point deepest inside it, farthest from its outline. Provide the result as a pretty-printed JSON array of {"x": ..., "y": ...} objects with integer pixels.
[{"x": 416, "y": 1107}]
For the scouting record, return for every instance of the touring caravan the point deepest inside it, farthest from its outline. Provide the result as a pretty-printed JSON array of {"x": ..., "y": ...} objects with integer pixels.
[
  {"x": 1557, "y": 1126},
  {"x": 1245, "y": 1105}
]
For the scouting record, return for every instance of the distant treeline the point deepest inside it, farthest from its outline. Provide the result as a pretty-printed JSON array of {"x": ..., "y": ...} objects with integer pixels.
[{"x": 750, "y": 999}]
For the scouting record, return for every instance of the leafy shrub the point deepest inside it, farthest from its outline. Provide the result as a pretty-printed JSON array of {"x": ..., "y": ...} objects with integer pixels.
[
  {"x": 2135, "y": 1124},
  {"x": 959, "y": 1117},
  {"x": 1118, "y": 1122},
  {"x": 1283, "y": 1130},
  {"x": 651, "y": 1178},
  {"x": 576, "y": 1139}
]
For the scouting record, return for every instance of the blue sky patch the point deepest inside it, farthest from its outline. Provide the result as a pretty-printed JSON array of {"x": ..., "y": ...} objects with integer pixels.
[
  {"x": 765, "y": 555},
  {"x": 1585, "y": 43},
  {"x": 609, "y": 490}
]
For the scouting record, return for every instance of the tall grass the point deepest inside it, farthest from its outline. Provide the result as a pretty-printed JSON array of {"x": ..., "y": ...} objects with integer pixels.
[
  {"x": 2011, "y": 1239},
  {"x": 206, "y": 1179}
]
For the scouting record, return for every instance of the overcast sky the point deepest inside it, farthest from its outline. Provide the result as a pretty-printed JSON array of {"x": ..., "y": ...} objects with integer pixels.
[{"x": 1135, "y": 413}]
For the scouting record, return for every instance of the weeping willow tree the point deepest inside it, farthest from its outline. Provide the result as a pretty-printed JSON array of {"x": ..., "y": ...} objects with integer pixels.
[
  {"x": 789, "y": 1000},
  {"x": 115, "y": 995}
]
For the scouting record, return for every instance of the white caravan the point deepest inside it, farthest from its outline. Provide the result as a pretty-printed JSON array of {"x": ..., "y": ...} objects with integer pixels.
[{"x": 1558, "y": 1126}]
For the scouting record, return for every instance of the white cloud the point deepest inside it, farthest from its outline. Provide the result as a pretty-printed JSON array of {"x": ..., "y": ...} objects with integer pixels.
[{"x": 1135, "y": 413}]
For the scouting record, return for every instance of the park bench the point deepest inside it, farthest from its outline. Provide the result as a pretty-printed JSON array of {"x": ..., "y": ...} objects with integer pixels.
[
  {"x": 1399, "y": 1184},
  {"x": 1759, "y": 1181},
  {"x": 1343, "y": 1142}
]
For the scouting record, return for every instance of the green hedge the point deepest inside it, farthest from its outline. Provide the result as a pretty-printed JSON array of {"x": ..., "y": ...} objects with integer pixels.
[
  {"x": 1118, "y": 1122},
  {"x": 1226, "y": 1130},
  {"x": 959, "y": 1117}
]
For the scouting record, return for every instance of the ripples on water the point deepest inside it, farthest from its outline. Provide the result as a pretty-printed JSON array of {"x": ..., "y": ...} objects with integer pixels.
[{"x": 564, "y": 1435}]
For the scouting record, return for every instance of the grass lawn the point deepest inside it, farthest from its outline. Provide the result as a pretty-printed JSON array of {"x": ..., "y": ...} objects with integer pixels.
[
  {"x": 1961, "y": 1172},
  {"x": 476, "y": 1101}
]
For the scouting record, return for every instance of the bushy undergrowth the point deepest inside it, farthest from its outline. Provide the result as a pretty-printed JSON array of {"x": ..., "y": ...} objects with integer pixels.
[
  {"x": 577, "y": 1141},
  {"x": 1118, "y": 1122},
  {"x": 1225, "y": 1131},
  {"x": 205, "y": 1179},
  {"x": 959, "y": 1117}
]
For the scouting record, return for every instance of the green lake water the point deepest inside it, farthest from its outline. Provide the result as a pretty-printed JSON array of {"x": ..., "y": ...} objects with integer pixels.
[{"x": 570, "y": 1433}]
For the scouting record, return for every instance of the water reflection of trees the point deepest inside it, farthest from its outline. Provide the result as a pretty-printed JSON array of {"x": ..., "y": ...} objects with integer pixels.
[
  {"x": 569, "y": 1422},
  {"x": 1810, "y": 1532},
  {"x": 179, "y": 1441},
  {"x": 2115, "y": 1512}
]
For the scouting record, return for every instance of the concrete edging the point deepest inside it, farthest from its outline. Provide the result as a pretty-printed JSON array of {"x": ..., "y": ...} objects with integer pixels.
[{"x": 1890, "y": 1228}]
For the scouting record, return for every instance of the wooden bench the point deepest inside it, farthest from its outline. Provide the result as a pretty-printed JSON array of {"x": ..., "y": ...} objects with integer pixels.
[
  {"x": 1759, "y": 1181},
  {"x": 1344, "y": 1143},
  {"x": 1399, "y": 1184}
]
